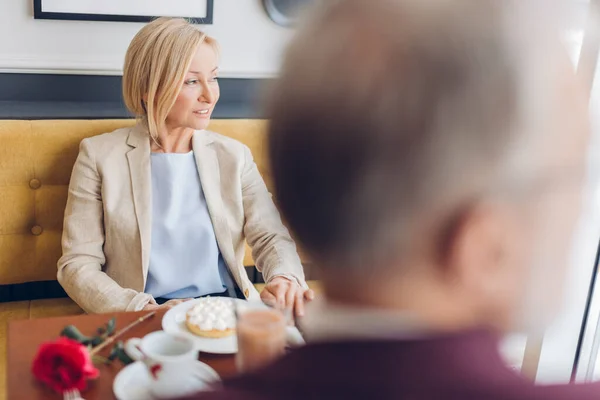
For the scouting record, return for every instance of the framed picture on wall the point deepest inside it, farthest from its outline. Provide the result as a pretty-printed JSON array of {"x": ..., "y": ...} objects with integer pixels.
[{"x": 197, "y": 11}]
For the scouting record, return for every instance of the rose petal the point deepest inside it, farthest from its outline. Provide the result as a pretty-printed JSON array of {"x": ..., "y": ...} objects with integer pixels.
[{"x": 64, "y": 364}]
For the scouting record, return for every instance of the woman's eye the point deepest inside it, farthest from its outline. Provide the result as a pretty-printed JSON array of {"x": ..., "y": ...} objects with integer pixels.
[
  {"x": 214, "y": 79},
  {"x": 191, "y": 81}
]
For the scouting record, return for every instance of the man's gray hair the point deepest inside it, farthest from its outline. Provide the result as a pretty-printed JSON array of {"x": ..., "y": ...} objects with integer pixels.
[{"x": 392, "y": 115}]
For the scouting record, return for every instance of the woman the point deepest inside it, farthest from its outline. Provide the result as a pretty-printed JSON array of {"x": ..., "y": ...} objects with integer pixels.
[{"x": 159, "y": 213}]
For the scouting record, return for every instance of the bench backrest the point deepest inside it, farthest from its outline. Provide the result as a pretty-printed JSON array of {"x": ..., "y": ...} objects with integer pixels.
[{"x": 36, "y": 159}]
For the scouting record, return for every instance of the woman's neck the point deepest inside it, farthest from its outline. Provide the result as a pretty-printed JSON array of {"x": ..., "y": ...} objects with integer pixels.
[{"x": 177, "y": 140}]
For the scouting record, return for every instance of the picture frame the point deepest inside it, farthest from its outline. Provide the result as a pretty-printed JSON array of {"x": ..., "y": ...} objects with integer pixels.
[{"x": 196, "y": 11}]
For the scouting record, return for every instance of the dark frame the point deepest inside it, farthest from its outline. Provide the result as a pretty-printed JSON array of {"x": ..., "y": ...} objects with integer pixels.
[
  {"x": 66, "y": 96},
  {"x": 39, "y": 14}
]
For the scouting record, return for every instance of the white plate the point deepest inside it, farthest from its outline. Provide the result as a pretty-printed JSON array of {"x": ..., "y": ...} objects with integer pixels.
[
  {"x": 133, "y": 381},
  {"x": 174, "y": 322}
]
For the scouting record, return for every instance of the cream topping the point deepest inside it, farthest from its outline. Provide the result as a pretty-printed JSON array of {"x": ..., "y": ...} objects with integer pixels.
[{"x": 213, "y": 313}]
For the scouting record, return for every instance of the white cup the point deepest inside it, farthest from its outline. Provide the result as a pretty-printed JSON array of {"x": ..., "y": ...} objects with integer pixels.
[{"x": 170, "y": 360}]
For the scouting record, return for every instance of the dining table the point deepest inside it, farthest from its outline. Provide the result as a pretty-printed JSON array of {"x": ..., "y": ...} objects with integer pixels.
[{"x": 25, "y": 337}]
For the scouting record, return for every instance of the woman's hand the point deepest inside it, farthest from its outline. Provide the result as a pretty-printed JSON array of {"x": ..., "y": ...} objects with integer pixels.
[
  {"x": 164, "y": 306},
  {"x": 283, "y": 293}
]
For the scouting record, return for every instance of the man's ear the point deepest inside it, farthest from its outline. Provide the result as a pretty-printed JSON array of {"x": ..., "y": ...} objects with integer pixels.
[{"x": 476, "y": 244}]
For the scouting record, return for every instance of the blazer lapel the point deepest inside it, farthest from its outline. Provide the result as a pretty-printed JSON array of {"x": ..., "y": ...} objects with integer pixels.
[
  {"x": 139, "y": 169},
  {"x": 208, "y": 169}
]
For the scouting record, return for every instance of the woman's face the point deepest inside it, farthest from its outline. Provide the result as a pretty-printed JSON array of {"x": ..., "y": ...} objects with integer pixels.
[{"x": 199, "y": 93}]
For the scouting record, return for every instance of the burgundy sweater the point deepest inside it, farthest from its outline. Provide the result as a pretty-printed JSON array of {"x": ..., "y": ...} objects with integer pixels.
[{"x": 461, "y": 366}]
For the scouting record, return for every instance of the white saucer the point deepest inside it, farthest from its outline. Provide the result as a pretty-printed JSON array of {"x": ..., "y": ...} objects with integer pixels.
[{"x": 133, "y": 381}]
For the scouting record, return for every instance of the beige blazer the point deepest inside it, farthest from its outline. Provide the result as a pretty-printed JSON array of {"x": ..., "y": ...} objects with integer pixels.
[{"x": 107, "y": 226}]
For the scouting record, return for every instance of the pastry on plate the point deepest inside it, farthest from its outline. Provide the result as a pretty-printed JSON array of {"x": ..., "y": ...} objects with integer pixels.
[{"x": 211, "y": 317}]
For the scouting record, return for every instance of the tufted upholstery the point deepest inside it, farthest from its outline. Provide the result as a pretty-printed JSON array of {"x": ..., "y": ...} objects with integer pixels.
[{"x": 36, "y": 158}]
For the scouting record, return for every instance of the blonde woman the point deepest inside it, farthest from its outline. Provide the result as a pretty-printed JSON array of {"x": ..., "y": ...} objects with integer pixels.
[{"x": 159, "y": 213}]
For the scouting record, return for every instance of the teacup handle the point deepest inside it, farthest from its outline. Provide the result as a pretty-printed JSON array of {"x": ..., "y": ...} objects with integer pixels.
[{"x": 133, "y": 349}]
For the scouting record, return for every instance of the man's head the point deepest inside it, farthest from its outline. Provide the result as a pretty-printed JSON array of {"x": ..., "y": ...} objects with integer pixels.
[{"x": 429, "y": 155}]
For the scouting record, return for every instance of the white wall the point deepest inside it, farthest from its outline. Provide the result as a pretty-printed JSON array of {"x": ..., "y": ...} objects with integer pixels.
[{"x": 251, "y": 42}]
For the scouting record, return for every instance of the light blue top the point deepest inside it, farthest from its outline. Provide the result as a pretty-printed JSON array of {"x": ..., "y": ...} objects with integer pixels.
[{"x": 185, "y": 260}]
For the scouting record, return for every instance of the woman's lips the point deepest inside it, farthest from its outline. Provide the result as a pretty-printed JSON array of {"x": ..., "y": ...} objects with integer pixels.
[{"x": 202, "y": 113}]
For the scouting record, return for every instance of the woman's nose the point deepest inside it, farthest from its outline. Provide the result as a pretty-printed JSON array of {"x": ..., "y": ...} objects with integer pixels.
[{"x": 207, "y": 95}]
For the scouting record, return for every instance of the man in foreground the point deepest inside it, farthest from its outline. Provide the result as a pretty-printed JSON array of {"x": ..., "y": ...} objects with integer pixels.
[{"x": 429, "y": 155}]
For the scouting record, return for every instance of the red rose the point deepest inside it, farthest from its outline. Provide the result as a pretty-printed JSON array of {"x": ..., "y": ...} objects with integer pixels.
[{"x": 63, "y": 365}]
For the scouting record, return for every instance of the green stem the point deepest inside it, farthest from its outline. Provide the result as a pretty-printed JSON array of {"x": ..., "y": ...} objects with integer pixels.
[{"x": 100, "y": 359}]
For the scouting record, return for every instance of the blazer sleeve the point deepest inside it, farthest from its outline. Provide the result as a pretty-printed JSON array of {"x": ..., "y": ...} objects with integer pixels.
[
  {"x": 80, "y": 269},
  {"x": 273, "y": 249}
]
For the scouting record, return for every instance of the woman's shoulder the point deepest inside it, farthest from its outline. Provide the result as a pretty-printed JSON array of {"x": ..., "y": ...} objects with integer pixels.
[
  {"x": 110, "y": 142},
  {"x": 217, "y": 137},
  {"x": 225, "y": 143},
  {"x": 110, "y": 138}
]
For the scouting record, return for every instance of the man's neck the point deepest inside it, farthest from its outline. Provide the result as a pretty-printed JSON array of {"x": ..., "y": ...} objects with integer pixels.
[{"x": 427, "y": 304}]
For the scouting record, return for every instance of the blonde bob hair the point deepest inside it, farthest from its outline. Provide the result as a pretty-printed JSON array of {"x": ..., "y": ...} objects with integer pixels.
[{"x": 156, "y": 63}]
